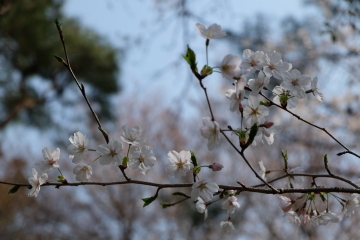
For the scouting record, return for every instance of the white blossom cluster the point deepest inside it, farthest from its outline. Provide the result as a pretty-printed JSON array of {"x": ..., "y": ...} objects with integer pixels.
[
  {"x": 246, "y": 100},
  {"x": 307, "y": 214},
  {"x": 111, "y": 153}
]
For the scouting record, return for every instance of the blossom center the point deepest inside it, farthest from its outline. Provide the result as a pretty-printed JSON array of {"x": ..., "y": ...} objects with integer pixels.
[
  {"x": 51, "y": 162},
  {"x": 180, "y": 164},
  {"x": 295, "y": 82},
  {"x": 272, "y": 66},
  {"x": 81, "y": 148},
  {"x": 142, "y": 159},
  {"x": 113, "y": 153},
  {"x": 202, "y": 186},
  {"x": 85, "y": 169},
  {"x": 253, "y": 63}
]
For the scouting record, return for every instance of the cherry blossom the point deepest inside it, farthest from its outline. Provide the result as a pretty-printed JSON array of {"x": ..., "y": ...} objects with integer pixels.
[
  {"x": 227, "y": 226},
  {"x": 35, "y": 182},
  {"x": 230, "y": 204},
  {"x": 315, "y": 90},
  {"x": 78, "y": 148},
  {"x": 350, "y": 205},
  {"x": 257, "y": 84},
  {"x": 204, "y": 189},
  {"x": 132, "y": 136},
  {"x": 254, "y": 61},
  {"x": 212, "y": 32},
  {"x": 235, "y": 96},
  {"x": 231, "y": 66},
  {"x": 284, "y": 98},
  {"x": 254, "y": 112},
  {"x": 324, "y": 218},
  {"x": 180, "y": 163},
  {"x": 274, "y": 66},
  {"x": 111, "y": 152},
  {"x": 211, "y": 131},
  {"x": 83, "y": 172},
  {"x": 141, "y": 158},
  {"x": 295, "y": 82},
  {"x": 285, "y": 203},
  {"x": 292, "y": 217},
  {"x": 51, "y": 160},
  {"x": 201, "y": 207}
]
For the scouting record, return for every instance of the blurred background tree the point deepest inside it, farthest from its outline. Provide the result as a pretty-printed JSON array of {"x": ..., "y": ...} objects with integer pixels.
[
  {"x": 327, "y": 46},
  {"x": 30, "y": 77}
]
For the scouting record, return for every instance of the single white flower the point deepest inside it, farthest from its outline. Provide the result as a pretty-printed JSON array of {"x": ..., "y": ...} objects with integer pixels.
[
  {"x": 230, "y": 204},
  {"x": 51, "y": 160},
  {"x": 350, "y": 205},
  {"x": 204, "y": 189},
  {"x": 262, "y": 170},
  {"x": 83, "y": 172},
  {"x": 111, "y": 152},
  {"x": 211, "y": 131},
  {"x": 254, "y": 61},
  {"x": 35, "y": 182},
  {"x": 231, "y": 66},
  {"x": 285, "y": 203},
  {"x": 78, "y": 148},
  {"x": 201, "y": 207},
  {"x": 132, "y": 136},
  {"x": 267, "y": 133},
  {"x": 257, "y": 84},
  {"x": 180, "y": 163},
  {"x": 235, "y": 96},
  {"x": 292, "y": 217},
  {"x": 254, "y": 112},
  {"x": 141, "y": 158},
  {"x": 295, "y": 82},
  {"x": 213, "y": 32},
  {"x": 274, "y": 66},
  {"x": 324, "y": 218},
  {"x": 283, "y": 97},
  {"x": 227, "y": 226},
  {"x": 315, "y": 90}
]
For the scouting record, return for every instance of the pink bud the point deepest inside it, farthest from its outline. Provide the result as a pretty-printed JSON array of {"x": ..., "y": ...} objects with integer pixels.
[
  {"x": 216, "y": 167},
  {"x": 241, "y": 107},
  {"x": 268, "y": 124}
]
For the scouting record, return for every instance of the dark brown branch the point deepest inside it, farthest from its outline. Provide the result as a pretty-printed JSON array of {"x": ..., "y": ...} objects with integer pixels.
[{"x": 188, "y": 185}]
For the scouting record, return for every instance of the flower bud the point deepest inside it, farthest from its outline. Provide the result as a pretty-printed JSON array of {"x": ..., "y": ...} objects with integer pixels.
[
  {"x": 216, "y": 167},
  {"x": 268, "y": 124},
  {"x": 241, "y": 108}
]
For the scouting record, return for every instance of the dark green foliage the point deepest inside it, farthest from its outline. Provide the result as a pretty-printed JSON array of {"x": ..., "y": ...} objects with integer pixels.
[{"x": 28, "y": 41}]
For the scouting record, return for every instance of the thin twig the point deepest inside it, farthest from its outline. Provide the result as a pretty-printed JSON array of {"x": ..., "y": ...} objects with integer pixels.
[
  {"x": 247, "y": 162},
  {"x": 311, "y": 175},
  {"x": 315, "y": 126},
  {"x": 80, "y": 85},
  {"x": 122, "y": 169}
]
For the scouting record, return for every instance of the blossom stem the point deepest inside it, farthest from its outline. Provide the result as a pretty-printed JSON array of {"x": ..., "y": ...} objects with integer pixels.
[
  {"x": 60, "y": 172},
  {"x": 315, "y": 126},
  {"x": 207, "y": 45},
  {"x": 95, "y": 160}
]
